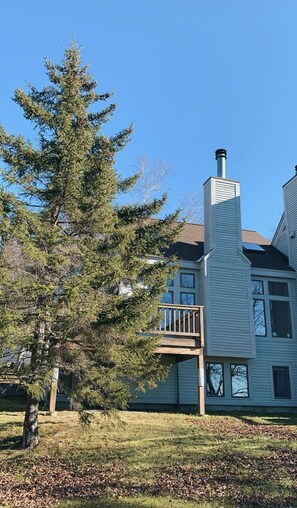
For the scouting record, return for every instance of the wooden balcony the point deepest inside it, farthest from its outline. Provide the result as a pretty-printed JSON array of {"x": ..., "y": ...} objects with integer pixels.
[{"x": 181, "y": 328}]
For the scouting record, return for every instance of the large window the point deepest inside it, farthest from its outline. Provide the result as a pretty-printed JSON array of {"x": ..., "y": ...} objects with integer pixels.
[
  {"x": 214, "y": 379},
  {"x": 280, "y": 319},
  {"x": 239, "y": 380},
  {"x": 281, "y": 382},
  {"x": 271, "y": 307},
  {"x": 235, "y": 375}
]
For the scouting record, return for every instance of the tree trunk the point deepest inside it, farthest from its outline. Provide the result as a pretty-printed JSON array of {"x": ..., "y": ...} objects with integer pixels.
[{"x": 30, "y": 430}]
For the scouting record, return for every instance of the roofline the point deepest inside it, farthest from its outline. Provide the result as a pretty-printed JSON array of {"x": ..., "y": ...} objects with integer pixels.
[
  {"x": 219, "y": 178},
  {"x": 277, "y": 231},
  {"x": 290, "y": 180}
]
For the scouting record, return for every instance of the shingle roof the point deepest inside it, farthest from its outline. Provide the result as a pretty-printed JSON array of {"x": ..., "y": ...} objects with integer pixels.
[{"x": 190, "y": 247}]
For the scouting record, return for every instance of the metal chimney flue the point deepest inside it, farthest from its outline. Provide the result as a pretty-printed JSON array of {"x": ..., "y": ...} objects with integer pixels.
[{"x": 221, "y": 156}]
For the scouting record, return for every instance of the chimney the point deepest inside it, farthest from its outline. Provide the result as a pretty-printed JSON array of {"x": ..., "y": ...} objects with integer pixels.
[
  {"x": 221, "y": 156},
  {"x": 226, "y": 272}
]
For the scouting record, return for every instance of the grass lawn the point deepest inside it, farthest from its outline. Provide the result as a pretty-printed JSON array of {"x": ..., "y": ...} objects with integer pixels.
[{"x": 150, "y": 460}]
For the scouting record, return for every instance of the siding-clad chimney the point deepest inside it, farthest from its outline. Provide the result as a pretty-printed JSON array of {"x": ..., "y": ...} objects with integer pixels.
[{"x": 228, "y": 302}]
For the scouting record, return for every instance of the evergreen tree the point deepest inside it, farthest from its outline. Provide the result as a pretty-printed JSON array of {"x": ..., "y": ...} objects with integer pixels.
[{"x": 67, "y": 250}]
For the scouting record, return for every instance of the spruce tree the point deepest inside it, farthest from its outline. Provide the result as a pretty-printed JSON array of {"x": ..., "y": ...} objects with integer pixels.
[{"x": 68, "y": 251}]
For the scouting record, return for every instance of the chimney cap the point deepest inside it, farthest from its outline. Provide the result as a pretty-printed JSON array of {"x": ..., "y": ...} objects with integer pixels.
[{"x": 221, "y": 152}]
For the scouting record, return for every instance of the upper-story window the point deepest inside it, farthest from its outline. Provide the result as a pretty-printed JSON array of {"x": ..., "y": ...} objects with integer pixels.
[
  {"x": 271, "y": 306},
  {"x": 167, "y": 297},
  {"x": 170, "y": 282},
  {"x": 187, "y": 298},
  {"x": 187, "y": 286},
  {"x": 187, "y": 280}
]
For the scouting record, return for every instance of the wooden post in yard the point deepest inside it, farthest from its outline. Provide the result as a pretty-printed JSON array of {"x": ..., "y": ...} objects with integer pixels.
[
  {"x": 201, "y": 384},
  {"x": 53, "y": 393}
]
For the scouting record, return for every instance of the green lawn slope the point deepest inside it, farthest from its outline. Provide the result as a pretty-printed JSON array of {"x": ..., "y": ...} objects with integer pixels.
[{"x": 150, "y": 460}]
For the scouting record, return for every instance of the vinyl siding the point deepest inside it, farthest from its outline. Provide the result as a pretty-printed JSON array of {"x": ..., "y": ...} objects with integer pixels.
[
  {"x": 269, "y": 353},
  {"x": 228, "y": 311},
  {"x": 207, "y": 218},
  {"x": 261, "y": 392},
  {"x": 188, "y": 382},
  {"x": 282, "y": 243},
  {"x": 290, "y": 193},
  {"x": 228, "y": 304},
  {"x": 164, "y": 393}
]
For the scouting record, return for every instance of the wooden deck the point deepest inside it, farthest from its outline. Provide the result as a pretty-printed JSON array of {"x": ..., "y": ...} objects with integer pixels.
[{"x": 181, "y": 327}]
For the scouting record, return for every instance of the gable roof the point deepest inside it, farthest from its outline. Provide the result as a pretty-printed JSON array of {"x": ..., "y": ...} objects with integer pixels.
[{"x": 190, "y": 247}]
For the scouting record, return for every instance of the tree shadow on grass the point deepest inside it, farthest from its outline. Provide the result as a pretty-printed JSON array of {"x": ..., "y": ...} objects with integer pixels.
[
  {"x": 289, "y": 420},
  {"x": 11, "y": 443},
  {"x": 142, "y": 502}
]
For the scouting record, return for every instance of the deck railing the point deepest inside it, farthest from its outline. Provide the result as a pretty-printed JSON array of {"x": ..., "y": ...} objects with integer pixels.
[{"x": 180, "y": 321}]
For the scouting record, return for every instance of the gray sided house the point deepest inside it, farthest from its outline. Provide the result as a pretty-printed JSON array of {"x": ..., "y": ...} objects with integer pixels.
[{"x": 246, "y": 358}]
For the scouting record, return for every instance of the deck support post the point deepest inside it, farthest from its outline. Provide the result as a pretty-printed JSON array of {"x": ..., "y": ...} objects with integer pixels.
[
  {"x": 201, "y": 384},
  {"x": 53, "y": 392}
]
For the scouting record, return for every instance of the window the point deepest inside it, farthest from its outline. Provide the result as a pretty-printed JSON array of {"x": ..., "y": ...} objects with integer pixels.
[
  {"x": 239, "y": 380},
  {"x": 214, "y": 379},
  {"x": 271, "y": 306},
  {"x": 167, "y": 314},
  {"x": 252, "y": 246},
  {"x": 281, "y": 382},
  {"x": 187, "y": 298},
  {"x": 169, "y": 282},
  {"x": 167, "y": 297},
  {"x": 278, "y": 288},
  {"x": 257, "y": 287},
  {"x": 187, "y": 280},
  {"x": 280, "y": 319},
  {"x": 259, "y": 318}
]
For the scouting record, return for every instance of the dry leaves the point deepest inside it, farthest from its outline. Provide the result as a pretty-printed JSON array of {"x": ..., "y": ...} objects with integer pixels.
[{"x": 241, "y": 479}]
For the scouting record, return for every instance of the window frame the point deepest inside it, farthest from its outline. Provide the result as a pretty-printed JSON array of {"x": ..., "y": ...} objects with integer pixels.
[
  {"x": 247, "y": 381},
  {"x": 267, "y": 298},
  {"x": 181, "y": 277},
  {"x": 170, "y": 282},
  {"x": 264, "y": 316},
  {"x": 172, "y": 298},
  {"x": 273, "y": 320},
  {"x": 278, "y": 366},
  {"x": 187, "y": 293},
  {"x": 222, "y": 395}
]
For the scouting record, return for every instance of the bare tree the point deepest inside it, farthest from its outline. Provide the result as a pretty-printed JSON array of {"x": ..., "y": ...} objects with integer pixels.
[
  {"x": 192, "y": 207},
  {"x": 152, "y": 176}
]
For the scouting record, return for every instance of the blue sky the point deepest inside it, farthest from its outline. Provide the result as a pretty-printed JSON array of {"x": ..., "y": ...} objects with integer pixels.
[{"x": 193, "y": 75}]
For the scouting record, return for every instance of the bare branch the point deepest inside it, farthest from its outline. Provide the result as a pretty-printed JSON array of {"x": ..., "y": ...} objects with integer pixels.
[
  {"x": 192, "y": 208},
  {"x": 152, "y": 176}
]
